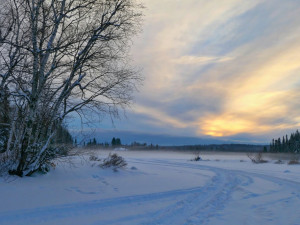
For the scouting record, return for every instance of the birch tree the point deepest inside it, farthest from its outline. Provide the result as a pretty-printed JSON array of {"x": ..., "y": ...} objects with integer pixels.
[{"x": 59, "y": 57}]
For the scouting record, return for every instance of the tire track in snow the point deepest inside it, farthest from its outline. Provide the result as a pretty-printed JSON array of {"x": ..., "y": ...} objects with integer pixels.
[
  {"x": 187, "y": 206},
  {"x": 199, "y": 207},
  {"x": 277, "y": 204},
  {"x": 289, "y": 190},
  {"x": 58, "y": 212},
  {"x": 194, "y": 208}
]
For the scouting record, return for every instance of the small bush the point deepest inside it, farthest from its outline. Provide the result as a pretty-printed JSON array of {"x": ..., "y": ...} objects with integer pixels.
[
  {"x": 279, "y": 161},
  {"x": 115, "y": 161},
  {"x": 7, "y": 159},
  {"x": 197, "y": 158},
  {"x": 94, "y": 158},
  {"x": 257, "y": 158},
  {"x": 293, "y": 162},
  {"x": 46, "y": 167}
]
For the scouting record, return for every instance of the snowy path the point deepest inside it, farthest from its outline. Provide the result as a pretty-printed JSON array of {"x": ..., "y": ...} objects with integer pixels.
[
  {"x": 235, "y": 197},
  {"x": 224, "y": 196}
]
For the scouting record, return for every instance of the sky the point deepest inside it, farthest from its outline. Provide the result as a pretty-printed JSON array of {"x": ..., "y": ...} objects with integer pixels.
[{"x": 221, "y": 70}]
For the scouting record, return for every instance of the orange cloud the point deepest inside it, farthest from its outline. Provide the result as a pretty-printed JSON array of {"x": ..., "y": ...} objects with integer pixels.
[
  {"x": 254, "y": 79},
  {"x": 225, "y": 125}
]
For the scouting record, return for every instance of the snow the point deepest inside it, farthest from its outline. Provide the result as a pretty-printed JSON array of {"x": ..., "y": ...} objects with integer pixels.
[
  {"x": 120, "y": 149},
  {"x": 156, "y": 188}
]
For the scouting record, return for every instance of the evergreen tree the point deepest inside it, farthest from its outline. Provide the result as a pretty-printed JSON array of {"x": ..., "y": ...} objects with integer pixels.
[
  {"x": 279, "y": 145},
  {"x": 118, "y": 141},
  {"x": 113, "y": 141},
  {"x": 287, "y": 144},
  {"x": 272, "y": 146},
  {"x": 265, "y": 148}
]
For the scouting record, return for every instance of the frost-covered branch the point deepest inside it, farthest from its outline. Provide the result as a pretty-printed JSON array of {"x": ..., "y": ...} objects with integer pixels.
[{"x": 59, "y": 57}]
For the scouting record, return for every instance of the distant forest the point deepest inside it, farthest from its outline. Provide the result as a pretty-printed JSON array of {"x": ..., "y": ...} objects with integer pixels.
[
  {"x": 218, "y": 147},
  {"x": 286, "y": 144},
  {"x": 115, "y": 142}
]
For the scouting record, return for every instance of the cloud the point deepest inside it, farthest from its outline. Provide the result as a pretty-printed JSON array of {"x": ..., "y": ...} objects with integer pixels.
[
  {"x": 159, "y": 117},
  {"x": 171, "y": 29},
  {"x": 220, "y": 68},
  {"x": 194, "y": 60}
]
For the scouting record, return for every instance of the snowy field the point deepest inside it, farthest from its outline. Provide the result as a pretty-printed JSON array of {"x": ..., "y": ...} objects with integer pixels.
[{"x": 156, "y": 188}]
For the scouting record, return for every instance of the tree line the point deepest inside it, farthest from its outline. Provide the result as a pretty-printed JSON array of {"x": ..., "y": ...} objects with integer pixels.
[
  {"x": 93, "y": 143},
  {"x": 286, "y": 144}
]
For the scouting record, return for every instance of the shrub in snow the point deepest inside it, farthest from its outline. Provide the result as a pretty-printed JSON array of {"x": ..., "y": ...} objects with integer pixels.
[
  {"x": 94, "y": 158},
  {"x": 197, "y": 158},
  {"x": 257, "y": 158},
  {"x": 293, "y": 162},
  {"x": 5, "y": 163},
  {"x": 279, "y": 161},
  {"x": 45, "y": 168},
  {"x": 294, "y": 159},
  {"x": 115, "y": 161}
]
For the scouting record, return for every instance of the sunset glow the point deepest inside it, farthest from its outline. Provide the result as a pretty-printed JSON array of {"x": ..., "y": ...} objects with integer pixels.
[{"x": 218, "y": 68}]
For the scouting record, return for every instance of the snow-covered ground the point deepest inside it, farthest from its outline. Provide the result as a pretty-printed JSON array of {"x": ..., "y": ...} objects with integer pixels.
[{"x": 156, "y": 188}]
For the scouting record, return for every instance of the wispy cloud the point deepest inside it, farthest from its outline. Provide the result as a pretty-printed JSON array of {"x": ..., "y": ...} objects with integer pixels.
[
  {"x": 160, "y": 117},
  {"x": 198, "y": 60},
  {"x": 220, "y": 68}
]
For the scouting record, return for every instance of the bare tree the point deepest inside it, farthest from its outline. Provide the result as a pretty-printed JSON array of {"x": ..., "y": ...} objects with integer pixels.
[{"x": 59, "y": 57}]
